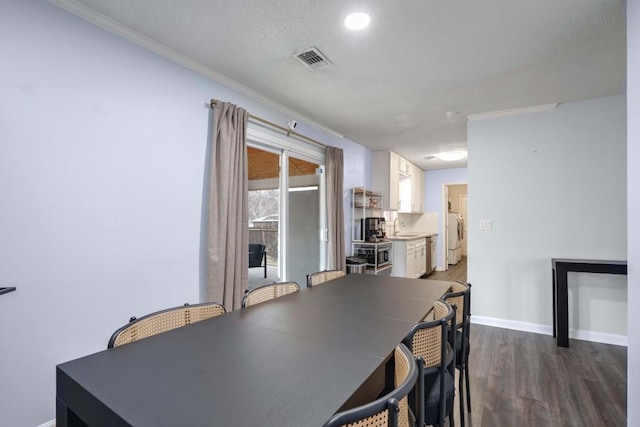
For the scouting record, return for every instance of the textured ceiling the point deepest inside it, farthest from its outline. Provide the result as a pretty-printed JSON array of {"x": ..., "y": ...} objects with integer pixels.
[{"x": 391, "y": 84}]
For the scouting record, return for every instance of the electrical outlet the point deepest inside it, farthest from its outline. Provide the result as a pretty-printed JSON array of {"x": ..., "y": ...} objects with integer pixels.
[{"x": 485, "y": 224}]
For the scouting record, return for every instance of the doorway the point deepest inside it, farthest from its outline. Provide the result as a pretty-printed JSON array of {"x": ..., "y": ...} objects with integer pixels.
[
  {"x": 286, "y": 214},
  {"x": 454, "y": 217}
]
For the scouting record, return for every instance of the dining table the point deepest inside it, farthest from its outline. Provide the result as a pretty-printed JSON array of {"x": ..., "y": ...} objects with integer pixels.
[{"x": 291, "y": 361}]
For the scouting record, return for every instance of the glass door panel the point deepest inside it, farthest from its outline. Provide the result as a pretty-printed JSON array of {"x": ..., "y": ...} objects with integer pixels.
[
  {"x": 264, "y": 216},
  {"x": 305, "y": 219}
]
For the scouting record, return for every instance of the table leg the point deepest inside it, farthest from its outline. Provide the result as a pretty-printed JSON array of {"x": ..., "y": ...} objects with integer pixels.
[
  {"x": 61, "y": 413},
  {"x": 65, "y": 417},
  {"x": 562, "y": 300},
  {"x": 554, "y": 291}
]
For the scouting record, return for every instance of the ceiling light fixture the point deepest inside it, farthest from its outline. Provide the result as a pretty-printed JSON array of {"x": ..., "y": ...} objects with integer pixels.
[
  {"x": 357, "y": 21},
  {"x": 451, "y": 156}
]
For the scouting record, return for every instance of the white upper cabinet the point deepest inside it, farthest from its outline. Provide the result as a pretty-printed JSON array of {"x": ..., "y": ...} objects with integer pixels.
[
  {"x": 400, "y": 181},
  {"x": 417, "y": 189},
  {"x": 386, "y": 172},
  {"x": 404, "y": 166}
]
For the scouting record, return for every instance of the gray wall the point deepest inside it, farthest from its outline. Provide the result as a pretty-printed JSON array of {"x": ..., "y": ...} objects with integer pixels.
[
  {"x": 554, "y": 185},
  {"x": 633, "y": 200},
  {"x": 102, "y": 147}
]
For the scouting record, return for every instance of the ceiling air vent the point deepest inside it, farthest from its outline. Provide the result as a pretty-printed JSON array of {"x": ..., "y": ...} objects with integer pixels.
[{"x": 312, "y": 58}]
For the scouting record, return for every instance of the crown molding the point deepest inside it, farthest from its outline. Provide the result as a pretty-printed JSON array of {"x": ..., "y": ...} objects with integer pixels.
[
  {"x": 512, "y": 112},
  {"x": 148, "y": 43}
]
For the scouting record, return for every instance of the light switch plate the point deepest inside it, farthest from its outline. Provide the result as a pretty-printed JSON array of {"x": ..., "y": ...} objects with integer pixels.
[{"x": 485, "y": 224}]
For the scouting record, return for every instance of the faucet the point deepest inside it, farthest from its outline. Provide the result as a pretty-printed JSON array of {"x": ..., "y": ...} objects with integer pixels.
[{"x": 394, "y": 226}]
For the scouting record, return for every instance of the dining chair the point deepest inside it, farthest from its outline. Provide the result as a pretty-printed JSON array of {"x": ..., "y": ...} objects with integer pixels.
[
  {"x": 323, "y": 276},
  {"x": 432, "y": 342},
  {"x": 258, "y": 256},
  {"x": 268, "y": 292},
  {"x": 391, "y": 409},
  {"x": 460, "y": 295},
  {"x": 163, "y": 321}
]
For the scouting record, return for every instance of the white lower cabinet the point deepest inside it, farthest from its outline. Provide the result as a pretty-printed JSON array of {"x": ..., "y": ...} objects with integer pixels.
[
  {"x": 410, "y": 258},
  {"x": 422, "y": 258}
]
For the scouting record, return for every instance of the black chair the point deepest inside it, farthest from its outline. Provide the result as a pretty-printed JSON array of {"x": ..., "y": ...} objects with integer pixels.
[
  {"x": 163, "y": 321},
  {"x": 323, "y": 276},
  {"x": 268, "y": 292},
  {"x": 431, "y": 342},
  {"x": 392, "y": 409},
  {"x": 258, "y": 256},
  {"x": 460, "y": 295}
]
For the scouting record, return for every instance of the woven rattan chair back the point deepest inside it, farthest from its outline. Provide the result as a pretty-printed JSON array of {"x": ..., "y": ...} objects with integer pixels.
[
  {"x": 323, "y": 276},
  {"x": 389, "y": 410},
  {"x": 163, "y": 321},
  {"x": 426, "y": 338},
  {"x": 268, "y": 292},
  {"x": 459, "y": 296},
  {"x": 403, "y": 364}
]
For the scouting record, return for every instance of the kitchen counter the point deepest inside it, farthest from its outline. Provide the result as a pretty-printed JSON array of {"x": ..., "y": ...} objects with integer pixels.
[{"x": 410, "y": 236}]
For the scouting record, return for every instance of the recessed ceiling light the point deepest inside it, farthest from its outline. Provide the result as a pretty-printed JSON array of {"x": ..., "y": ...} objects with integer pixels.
[
  {"x": 357, "y": 21},
  {"x": 450, "y": 156}
]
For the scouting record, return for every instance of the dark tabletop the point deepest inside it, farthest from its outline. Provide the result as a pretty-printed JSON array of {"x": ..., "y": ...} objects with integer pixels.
[{"x": 292, "y": 361}]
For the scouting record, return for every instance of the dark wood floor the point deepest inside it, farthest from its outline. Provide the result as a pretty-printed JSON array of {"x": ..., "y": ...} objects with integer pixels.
[
  {"x": 524, "y": 379},
  {"x": 455, "y": 272}
]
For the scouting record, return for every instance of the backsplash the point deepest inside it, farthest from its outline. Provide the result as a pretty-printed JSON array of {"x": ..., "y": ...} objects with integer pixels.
[{"x": 408, "y": 223}]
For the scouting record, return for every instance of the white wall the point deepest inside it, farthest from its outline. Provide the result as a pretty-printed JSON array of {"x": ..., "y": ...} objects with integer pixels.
[
  {"x": 102, "y": 147},
  {"x": 633, "y": 210},
  {"x": 433, "y": 182},
  {"x": 554, "y": 185}
]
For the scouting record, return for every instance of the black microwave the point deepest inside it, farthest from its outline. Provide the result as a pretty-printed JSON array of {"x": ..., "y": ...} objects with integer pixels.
[{"x": 383, "y": 256}]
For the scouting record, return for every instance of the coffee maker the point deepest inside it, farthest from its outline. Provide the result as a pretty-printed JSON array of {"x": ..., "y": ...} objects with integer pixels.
[{"x": 374, "y": 229}]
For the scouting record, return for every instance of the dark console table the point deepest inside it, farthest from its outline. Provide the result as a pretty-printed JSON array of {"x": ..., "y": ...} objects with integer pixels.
[{"x": 560, "y": 267}]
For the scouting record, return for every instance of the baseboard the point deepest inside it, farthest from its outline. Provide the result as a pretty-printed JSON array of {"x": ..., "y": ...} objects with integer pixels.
[
  {"x": 535, "y": 328},
  {"x": 50, "y": 423}
]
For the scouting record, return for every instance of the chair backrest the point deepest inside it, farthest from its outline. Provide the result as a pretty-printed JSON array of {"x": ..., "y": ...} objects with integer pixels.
[
  {"x": 256, "y": 253},
  {"x": 460, "y": 295},
  {"x": 323, "y": 276},
  {"x": 428, "y": 339},
  {"x": 163, "y": 321},
  {"x": 391, "y": 409},
  {"x": 268, "y": 292}
]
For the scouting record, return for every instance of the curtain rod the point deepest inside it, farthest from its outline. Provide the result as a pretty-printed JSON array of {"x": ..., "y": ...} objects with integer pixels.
[{"x": 288, "y": 131}]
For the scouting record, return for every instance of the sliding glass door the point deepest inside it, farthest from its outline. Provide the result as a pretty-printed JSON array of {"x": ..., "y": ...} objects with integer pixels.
[{"x": 286, "y": 213}]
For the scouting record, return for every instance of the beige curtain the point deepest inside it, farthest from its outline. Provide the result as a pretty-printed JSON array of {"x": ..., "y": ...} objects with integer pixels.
[
  {"x": 335, "y": 212},
  {"x": 227, "y": 227}
]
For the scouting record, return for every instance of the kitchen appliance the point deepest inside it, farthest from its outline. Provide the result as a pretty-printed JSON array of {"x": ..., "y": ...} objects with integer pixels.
[
  {"x": 383, "y": 256},
  {"x": 375, "y": 256},
  {"x": 374, "y": 229},
  {"x": 455, "y": 228}
]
